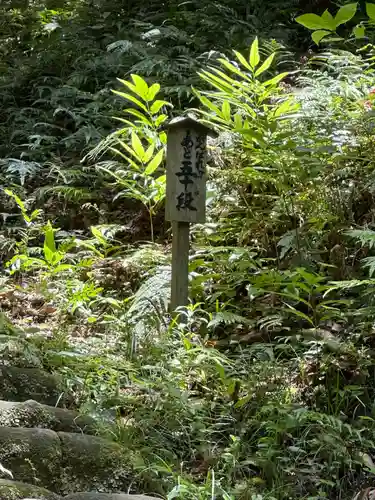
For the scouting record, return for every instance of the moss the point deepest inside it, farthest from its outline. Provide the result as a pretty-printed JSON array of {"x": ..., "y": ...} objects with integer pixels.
[
  {"x": 21, "y": 384},
  {"x": 32, "y": 455},
  {"x": 14, "y": 490},
  {"x": 107, "y": 496},
  {"x": 33, "y": 414},
  {"x": 92, "y": 463}
]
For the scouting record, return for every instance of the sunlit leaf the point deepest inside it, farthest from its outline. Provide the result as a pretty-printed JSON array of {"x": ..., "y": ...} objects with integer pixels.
[
  {"x": 328, "y": 18},
  {"x": 226, "y": 111},
  {"x": 370, "y": 9},
  {"x": 153, "y": 91},
  {"x": 345, "y": 13},
  {"x": 131, "y": 98},
  {"x": 157, "y": 105},
  {"x": 16, "y": 198},
  {"x": 206, "y": 102},
  {"x": 130, "y": 85},
  {"x": 237, "y": 121},
  {"x": 140, "y": 115},
  {"x": 160, "y": 119},
  {"x": 128, "y": 149},
  {"x": 98, "y": 235},
  {"x": 137, "y": 146},
  {"x": 216, "y": 82},
  {"x": 254, "y": 58},
  {"x": 155, "y": 162},
  {"x": 313, "y": 22},
  {"x": 264, "y": 67},
  {"x": 277, "y": 79},
  {"x": 255, "y": 136},
  {"x": 141, "y": 87},
  {"x": 232, "y": 68},
  {"x": 63, "y": 267},
  {"x": 242, "y": 60},
  {"x": 148, "y": 154},
  {"x": 359, "y": 31},
  {"x": 287, "y": 106},
  {"x": 49, "y": 237},
  {"x": 318, "y": 36}
]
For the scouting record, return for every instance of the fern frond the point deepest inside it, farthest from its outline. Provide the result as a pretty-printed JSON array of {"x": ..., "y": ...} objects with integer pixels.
[
  {"x": 20, "y": 169},
  {"x": 150, "y": 303},
  {"x": 348, "y": 285},
  {"x": 365, "y": 236},
  {"x": 369, "y": 264},
  {"x": 65, "y": 192},
  {"x": 148, "y": 256},
  {"x": 228, "y": 318}
]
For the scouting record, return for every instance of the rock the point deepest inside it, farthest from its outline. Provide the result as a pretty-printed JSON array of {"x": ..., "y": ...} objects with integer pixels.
[
  {"x": 32, "y": 455},
  {"x": 14, "y": 490},
  {"x": 21, "y": 384},
  {"x": 93, "y": 463},
  {"x": 33, "y": 414},
  {"x": 107, "y": 496},
  {"x": 16, "y": 351}
]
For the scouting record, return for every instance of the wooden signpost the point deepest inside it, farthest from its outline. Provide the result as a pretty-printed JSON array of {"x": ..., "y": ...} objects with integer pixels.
[{"x": 186, "y": 195}]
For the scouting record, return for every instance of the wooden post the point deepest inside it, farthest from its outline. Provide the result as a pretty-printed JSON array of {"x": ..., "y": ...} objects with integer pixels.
[
  {"x": 180, "y": 264},
  {"x": 186, "y": 196}
]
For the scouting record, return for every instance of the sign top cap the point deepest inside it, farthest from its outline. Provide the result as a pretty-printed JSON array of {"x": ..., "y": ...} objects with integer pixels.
[{"x": 189, "y": 122}]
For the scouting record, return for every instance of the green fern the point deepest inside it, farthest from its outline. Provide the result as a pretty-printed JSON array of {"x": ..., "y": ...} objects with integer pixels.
[
  {"x": 369, "y": 264},
  {"x": 365, "y": 237},
  {"x": 20, "y": 170},
  {"x": 150, "y": 303},
  {"x": 227, "y": 318}
]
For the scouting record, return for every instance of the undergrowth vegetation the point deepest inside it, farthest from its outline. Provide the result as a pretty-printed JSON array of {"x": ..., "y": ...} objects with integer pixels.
[{"x": 264, "y": 387}]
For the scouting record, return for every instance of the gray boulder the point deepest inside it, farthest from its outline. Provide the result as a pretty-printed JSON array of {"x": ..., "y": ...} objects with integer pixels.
[
  {"x": 93, "y": 463},
  {"x": 33, "y": 414},
  {"x": 32, "y": 455},
  {"x": 22, "y": 384},
  {"x": 14, "y": 490},
  {"x": 107, "y": 496}
]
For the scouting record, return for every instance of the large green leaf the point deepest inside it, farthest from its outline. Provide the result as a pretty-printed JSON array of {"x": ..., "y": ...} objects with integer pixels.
[
  {"x": 49, "y": 247},
  {"x": 313, "y": 22},
  {"x": 153, "y": 91},
  {"x": 275, "y": 80},
  {"x": 345, "y": 13},
  {"x": 267, "y": 63},
  {"x": 137, "y": 146},
  {"x": 318, "y": 35},
  {"x": 225, "y": 110},
  {"x": 130, "y": 85},
  {"x": 370, "y": 9},
  {"x": 140, "y": 115},
  {"x": 359, "y": 31},
  {"x": 242, "y": 60},
  {"x": 157, "y": 105},
  {"x": 141, "y": 87},
  {"x": 160, "y": 119},
  {"x": 254, "y": 58},
  {"x": 232, "y": 68},
  {"x": 49, "y": 237},
  {"x": 131, "y": 98},
  {"x": 155, "y": 162},
  {"x": 328, "y": 17},
  {"x": 206, "y": 102},
  {"x": 128, "y": 149},
  {"x": 18, "y": 200},
  {"x": 148, "y": 154},
  {"x": 98, "y": 235}
]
